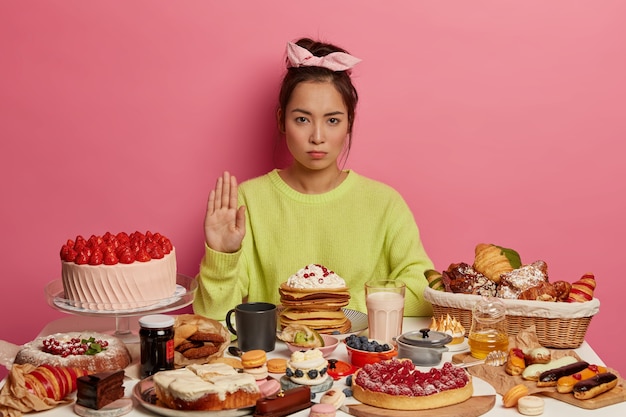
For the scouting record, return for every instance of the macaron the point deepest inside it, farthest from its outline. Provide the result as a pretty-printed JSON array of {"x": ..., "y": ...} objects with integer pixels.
[
  {"x": 259, "y": 373},
  {"x": 512, "y": 396},
  {"x": 322, "y": 410},
  {"x": 334, "y": 398},
  {"x": 268, "y": 387},
  {"x": 253, "y": 358},
  {"x": 530, "y": 405},
  {"x": 277, "y": 365}
]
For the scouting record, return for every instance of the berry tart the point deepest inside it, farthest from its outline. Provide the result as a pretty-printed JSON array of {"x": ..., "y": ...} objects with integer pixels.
[{"x": 398, "y": 385}]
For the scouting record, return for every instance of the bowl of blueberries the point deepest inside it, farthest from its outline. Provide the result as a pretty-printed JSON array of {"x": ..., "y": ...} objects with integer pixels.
[{"x": 362, "y": 350}]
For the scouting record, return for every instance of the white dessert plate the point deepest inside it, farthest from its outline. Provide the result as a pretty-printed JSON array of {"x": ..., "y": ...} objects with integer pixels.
[{"x": 145, "y": 395}]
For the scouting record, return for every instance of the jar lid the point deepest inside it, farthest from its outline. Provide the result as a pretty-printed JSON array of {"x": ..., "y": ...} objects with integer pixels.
[
  {"x": 156, "y": 321},
  {"x": 425, "y": 338}
]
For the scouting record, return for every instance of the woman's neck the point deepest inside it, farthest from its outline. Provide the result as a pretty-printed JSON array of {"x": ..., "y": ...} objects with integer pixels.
[{"x": 312, "y": 182}]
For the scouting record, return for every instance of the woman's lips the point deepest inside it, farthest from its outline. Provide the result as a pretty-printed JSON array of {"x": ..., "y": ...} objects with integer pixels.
[{"x": 317, "y": 154}]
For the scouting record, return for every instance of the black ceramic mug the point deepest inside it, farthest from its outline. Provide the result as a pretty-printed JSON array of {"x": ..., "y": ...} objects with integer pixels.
[{"x": 255, "y": 326}]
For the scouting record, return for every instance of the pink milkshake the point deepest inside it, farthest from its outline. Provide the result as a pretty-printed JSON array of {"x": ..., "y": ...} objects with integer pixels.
[{"x": 385, "y": 309}]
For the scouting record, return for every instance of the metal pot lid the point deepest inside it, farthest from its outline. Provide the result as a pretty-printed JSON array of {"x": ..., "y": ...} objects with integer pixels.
[{"x": 425, "y": 338}]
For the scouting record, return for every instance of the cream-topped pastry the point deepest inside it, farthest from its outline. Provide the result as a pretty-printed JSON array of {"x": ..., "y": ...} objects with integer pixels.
[
  {"x": 315, "y": 276},
  {"x": 449, "y": 325},
  {"x": 214, "y": 386},
  {"x": 307, "y": 367}
]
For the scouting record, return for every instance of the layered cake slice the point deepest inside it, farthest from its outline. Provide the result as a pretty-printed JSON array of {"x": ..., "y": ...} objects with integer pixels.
[{"x": 97, "y": 390}]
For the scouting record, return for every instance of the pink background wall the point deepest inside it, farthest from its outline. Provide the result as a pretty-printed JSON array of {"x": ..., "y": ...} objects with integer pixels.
[{"x": 499, "y": 122}]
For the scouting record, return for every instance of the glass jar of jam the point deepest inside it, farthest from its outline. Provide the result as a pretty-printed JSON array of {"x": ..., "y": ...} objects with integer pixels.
[{"x": 156, "y": 339}]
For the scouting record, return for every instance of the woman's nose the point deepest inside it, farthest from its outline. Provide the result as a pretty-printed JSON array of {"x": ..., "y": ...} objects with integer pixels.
[{"x": 317, "y": 136}]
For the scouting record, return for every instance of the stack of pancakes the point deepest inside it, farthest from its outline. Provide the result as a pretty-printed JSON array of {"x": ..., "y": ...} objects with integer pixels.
[{"x": 317, "y": 308}]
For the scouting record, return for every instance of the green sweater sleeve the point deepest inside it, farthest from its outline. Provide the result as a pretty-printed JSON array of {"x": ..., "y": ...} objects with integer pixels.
[{"x": 220, "y": 285}]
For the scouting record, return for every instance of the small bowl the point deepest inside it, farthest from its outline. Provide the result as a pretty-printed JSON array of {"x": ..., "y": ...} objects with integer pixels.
[
  {"x": 330, "y": 344},
  {"x": 360, "y": 358}
]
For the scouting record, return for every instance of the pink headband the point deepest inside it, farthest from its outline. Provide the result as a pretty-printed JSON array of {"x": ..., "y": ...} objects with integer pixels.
[{"x": 298, "y": 56}]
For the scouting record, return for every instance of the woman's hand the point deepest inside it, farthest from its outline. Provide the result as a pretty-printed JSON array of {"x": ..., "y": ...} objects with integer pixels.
[{"x": 224, "y": 223}]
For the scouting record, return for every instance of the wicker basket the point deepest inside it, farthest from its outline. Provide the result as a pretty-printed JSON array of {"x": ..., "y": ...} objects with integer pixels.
[{"x": 558, "y": 325}]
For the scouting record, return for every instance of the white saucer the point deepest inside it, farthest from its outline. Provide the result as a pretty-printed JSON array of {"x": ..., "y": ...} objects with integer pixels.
[
  {"x": 114, "y": 409},
  {"x": 458, "y": 347}
]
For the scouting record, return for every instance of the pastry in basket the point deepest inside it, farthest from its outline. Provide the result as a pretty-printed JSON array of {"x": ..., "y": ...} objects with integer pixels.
[
  {"x": 492, "y": 261},
  {"x": 208, "y": 387},
  {"x": 463, "y": 278},
  {"x": 398, "y": 385},
  {"x": 544, "y": 291},
  {"x": 434, "y": 279},
  {"x": 198, "y": 339},
  {"x": 513, "y": 283},
  {"x": 582, "y": 290}
]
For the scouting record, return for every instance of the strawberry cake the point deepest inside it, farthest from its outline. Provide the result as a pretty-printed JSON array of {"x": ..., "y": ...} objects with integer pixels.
[
  {"x": 398, "y": 385},
  {"x": 118, "y": 271}
]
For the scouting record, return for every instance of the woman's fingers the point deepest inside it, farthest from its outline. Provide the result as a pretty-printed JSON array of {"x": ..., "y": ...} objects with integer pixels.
[
  {"x": 225, "y": 193},
  {"x": 233, "y": 197}
]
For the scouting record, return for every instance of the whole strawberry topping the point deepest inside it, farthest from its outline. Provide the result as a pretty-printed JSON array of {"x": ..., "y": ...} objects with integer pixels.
[{"x": 111, "y": 249}]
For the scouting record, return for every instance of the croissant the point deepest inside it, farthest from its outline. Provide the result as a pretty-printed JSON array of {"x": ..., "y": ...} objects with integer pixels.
[
  {"x": 493, "y": 261},
  {"x": 582, "y": 290},
  {"x": 544, "y": 291}
]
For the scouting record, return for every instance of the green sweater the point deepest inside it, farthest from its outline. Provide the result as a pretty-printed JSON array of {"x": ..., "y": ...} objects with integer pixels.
[{"x": 362, "y": 230}]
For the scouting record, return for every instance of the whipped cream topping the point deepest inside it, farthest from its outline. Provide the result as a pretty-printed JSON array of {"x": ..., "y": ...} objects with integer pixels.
[
  {"x": 312, "y": 358},
  {"x": 315, "y": 276},
  {"x": 196, "y": 381}
]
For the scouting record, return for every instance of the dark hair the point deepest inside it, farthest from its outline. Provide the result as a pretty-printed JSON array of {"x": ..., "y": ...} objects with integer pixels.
[{"x": 340, "y": 79}]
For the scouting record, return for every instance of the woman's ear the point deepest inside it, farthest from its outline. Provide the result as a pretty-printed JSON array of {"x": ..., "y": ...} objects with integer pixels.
[{"x": 279, "y": 121}]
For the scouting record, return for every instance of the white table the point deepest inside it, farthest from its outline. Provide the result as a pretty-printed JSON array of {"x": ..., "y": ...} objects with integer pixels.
[{"x": 553, "y": 407}]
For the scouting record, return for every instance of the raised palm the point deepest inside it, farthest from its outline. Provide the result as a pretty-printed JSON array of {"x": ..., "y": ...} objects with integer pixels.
[{"x": 224, "y": 223}]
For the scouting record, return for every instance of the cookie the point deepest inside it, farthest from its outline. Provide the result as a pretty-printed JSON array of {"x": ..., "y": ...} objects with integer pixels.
[
  {"x": 187, "y": 344},
  {"x": 207, "y": 337},
  {"x": 277, "y": 365},
  {"x": 200, "y": 352}
]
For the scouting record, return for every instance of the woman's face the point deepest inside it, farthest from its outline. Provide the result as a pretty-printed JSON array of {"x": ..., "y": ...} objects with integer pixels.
[{"x": 316, "y": 125}]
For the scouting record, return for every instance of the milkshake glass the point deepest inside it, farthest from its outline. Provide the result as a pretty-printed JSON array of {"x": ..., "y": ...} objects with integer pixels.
[{"x": 385, "y": 309}]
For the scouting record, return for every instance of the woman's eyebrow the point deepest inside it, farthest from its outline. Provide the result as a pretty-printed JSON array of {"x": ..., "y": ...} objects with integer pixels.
[{"x": 333, "y": 113}]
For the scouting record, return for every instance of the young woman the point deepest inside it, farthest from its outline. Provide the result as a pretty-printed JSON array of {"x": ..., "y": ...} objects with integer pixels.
[{"x": 261, "y": 232}]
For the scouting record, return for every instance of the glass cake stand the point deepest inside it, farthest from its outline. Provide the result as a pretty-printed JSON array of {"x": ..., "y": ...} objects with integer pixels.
[{"x": 185, "y": 290}]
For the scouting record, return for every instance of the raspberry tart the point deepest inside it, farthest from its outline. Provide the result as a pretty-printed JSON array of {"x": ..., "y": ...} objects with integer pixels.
[
  {"x": 398, "y": 385},
  {"x": 93, "y": 352},
  {"x": 118, "y": 271}
]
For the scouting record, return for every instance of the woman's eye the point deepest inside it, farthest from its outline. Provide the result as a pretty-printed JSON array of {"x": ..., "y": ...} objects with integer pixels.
[
  {"x": 301, "y": 119},
  {"x": 333, "y": 121}
]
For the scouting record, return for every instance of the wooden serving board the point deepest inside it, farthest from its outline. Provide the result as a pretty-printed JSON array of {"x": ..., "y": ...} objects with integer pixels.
[
  {"x": 497, "y": 377},
  {"x": 616, "y": 395},
  {"x": 473, "y": 407}
]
